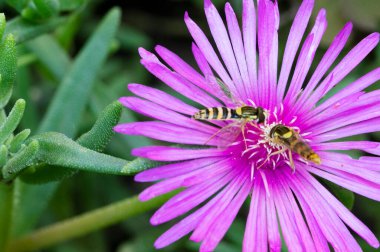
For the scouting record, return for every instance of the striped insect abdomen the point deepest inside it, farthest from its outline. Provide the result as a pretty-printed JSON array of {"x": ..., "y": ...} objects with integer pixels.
[{"x": 216, "y": 113}]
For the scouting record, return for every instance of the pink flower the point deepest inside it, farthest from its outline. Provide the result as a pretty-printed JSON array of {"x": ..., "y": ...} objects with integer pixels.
[{"x": 217, "y": 181}]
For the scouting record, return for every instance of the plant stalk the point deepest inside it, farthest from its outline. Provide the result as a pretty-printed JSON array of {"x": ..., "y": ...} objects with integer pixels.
[{"x": 85, "y": 223}]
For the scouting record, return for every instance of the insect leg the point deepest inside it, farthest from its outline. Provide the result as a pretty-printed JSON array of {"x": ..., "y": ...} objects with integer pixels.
[
  {"x": 272, "y": 154},
  {"x": 291, "y": 161},
  {"x": 242, "y": 131},
  {"x": 222, "y": 130}
]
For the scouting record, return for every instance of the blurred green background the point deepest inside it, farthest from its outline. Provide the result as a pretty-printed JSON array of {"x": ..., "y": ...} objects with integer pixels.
[{"x": 43, "y": 61}]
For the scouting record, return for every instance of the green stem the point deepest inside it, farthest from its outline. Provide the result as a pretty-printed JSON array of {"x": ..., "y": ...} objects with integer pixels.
[
  {"x": 85, "y": 223},
  {"x": 6, "y": 193}
]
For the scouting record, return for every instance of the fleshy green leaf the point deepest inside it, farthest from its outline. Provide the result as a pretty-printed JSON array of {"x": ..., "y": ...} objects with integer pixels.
[
  {"x": 57, "y": 149},
  {"x": 3, "y": 116},
  {"x": 65, "y": 111},
  {"x": 6, "y": 191},
  {"x": 31, "y": 202},
  {"x": 140, "y": 164},
  {"x": 70, "y": 5},
  {"x": 18, "y": 140},
  {"x": 47, "y": 8},
  {"x": 2, "y": 25},
  {"x": 51, "y": 55},
  {"x": 20, "y": 161},
  {"x": 3, "y": 155},
  {"x": 102, "y": 131},
  {"x": 27, "y": 211},
  {"x": 95, "y": 139},
  {"x": 18, "y": 4},
  {"x": 12, "y": 121},
  {"x": 8, "y": 64},
  {"x": 24, "y": 30}
]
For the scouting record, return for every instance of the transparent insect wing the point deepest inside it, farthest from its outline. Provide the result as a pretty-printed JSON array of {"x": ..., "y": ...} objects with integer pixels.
[
  {"x": 227, "y": 135},
  {"x": 223, "y": 92}
]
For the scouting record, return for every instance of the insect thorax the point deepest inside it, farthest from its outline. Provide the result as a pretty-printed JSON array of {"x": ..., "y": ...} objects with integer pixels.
[{"x": 248, "y": 112}]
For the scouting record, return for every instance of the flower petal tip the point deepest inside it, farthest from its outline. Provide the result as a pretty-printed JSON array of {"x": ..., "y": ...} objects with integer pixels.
[
  {"x": 138, "y": 152},
  {"x": 154, "y": 220},
  {"x": 117, "y": 129},
  {"x": 207, "y": 3},
  {"x": 143, "y": 52},
  {"x": 133, "y": 86},
  {"x": 186, "y": 16},
  {"x": 124, "y": 101}
]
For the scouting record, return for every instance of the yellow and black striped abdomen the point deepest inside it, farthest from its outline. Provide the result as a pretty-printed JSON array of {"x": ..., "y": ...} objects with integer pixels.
[{"x": 216, "y": 113}]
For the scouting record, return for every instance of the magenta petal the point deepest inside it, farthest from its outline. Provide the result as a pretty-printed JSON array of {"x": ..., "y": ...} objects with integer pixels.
[
  {"x": 185, "y": 180},
  {"x": 294, "y": 39},
  {"x": 294, "y": 213},
  {"x": 249, "y": 38},
  {"x": 188, "y": 199},
  {"x": 182, "y": 67},
  {"x": 255, "y": 235},
  {"x": 367, "y": 126},
  {"x": 366, "y": 146},
  {"x": 172, "y": 170},
  {"x": 267, "y": 43},
  {"x": 186, "y": 225},
  {"x": 228, "y": 193},
  {"x": 225, "y": 219},
  {"x": 167, "y": 132},
  {"x": 306, "y": 57},
  {"x": 209, "y": 53},
  {"x": 291, "y": 235},
  {"x": 162, "y": 98},
  {"x": 222, "y": 41},
  {"x": 180, "y": 84},
  {"x": 160, "y": 113},
  {"x": 163, "y": 153},
  {"x": 352, "y": 182},
  {"x": 319, "y": 239},
  {"x": 238, "y": 46},
  {"x": 354, "y": 87},
  {"x": 329, "y": 222},
  {"x": 349, "y": 62},
  {"x": 343, "y": 212},
  {"x": 328, "y": 59}
]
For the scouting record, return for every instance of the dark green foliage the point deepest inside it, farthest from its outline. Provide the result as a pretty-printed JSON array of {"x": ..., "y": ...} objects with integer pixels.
[{"x": 63, "y": 64}]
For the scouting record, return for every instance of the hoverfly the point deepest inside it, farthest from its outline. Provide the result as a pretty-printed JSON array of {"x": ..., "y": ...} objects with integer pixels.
[
  {"x": 291, "y": 140},
  {"x": 241, "y": 114}
]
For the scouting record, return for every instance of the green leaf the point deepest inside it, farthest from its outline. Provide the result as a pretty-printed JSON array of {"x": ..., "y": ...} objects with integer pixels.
[
  {"x": 71, "y": 5},
  {"x": 66, "y": 109},
  {"x": 31, "y": 202},
  {"x": 47, "y": 8},
  {"x": 12, "y": 121},
  {"x": 343, "y": 195},
  {"x": 3, "y": 155},
  {"x": 3, "y": 116},
  {"x": 8, "y": 65},
  {"x": 6, "y": 191},
  {"x": 2, "y": 25},
  {"x": 95, "y": 139},
  {"x": 51, "y": 55},
  {"x": 20, "y": 161},
  {"x": 57, "y": 149},
  {"x": 102, "y": 131},
  {"x": 18, "y": 140},
  {"x": 28, "y": 210},
  {"x": 65, "y": 34},
  {"x": 18, "y": 4},
  {"x": 140, "y": 164},
  {"x": 24, "y": 30},
  {"x": 87, "y": 223}
]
